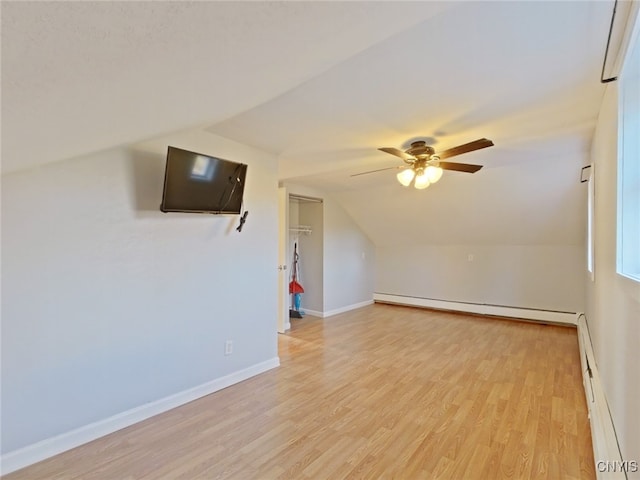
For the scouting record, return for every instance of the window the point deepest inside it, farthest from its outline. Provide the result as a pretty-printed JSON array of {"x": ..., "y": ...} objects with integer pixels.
[
  {"x": 590, "y": 231},
  {"x": 629, "y": 162}
]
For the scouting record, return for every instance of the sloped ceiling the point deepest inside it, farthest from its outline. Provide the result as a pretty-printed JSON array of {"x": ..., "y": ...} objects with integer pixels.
[
  {"x": 83, "y": 76},
  {"x": 322, "y": 85}
]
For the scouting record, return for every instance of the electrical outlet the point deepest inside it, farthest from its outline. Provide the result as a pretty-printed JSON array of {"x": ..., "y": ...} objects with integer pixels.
[{"x": 228, "y": 347}]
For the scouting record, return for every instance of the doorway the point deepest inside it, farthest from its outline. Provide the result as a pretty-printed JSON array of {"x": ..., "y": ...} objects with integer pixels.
[{"x": 301, "y": 228}]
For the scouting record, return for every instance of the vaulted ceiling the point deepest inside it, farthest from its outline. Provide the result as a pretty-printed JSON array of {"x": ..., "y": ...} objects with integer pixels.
[{"x": 323, "y": 85}]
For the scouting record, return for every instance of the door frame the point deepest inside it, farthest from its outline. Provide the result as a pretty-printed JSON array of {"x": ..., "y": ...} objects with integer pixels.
[{"x": 284, "y": 323}]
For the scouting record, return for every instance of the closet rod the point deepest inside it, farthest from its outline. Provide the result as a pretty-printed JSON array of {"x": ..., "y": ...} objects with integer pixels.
[{"x": 303, "y": 198}]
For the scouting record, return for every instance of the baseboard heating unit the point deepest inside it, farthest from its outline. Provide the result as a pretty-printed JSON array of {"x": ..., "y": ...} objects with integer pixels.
[
  {"x": 567, "y": 318},
  {"x": 606, "y": 451}
]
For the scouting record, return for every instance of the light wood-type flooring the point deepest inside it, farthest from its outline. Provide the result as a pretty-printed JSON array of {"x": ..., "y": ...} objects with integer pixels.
[{"x": 383, "y": 392}]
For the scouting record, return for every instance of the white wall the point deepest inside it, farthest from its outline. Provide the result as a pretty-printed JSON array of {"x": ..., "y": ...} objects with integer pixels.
[
  {"x": 349, "y": 260},
  {"x": 109, "y": 304},
  {"x": 613, "y": 313},
  {"x": 538, "y": 277},
  {"x": 311, "y": 256}
]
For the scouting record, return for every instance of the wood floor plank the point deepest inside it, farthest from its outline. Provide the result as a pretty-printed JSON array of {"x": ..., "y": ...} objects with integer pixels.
[{"x": 380, "y": 392}]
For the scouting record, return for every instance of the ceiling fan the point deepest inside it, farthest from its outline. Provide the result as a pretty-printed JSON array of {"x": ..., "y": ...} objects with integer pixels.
[{"x": 425, "y": 166}]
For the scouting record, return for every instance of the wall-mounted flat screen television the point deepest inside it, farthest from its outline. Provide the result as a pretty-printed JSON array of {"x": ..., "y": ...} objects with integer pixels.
[{"x": 199, "y": 183}]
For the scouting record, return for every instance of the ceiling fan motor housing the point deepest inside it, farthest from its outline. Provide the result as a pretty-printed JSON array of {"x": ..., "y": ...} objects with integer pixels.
[{"x": 420, "y": 149}]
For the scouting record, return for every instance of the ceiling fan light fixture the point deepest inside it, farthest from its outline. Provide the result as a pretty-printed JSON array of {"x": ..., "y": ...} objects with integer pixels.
[
  {"x": 433, "y": 173},
  {"x": 422, "y": 181},
  {"x": 406, "y": 176}
]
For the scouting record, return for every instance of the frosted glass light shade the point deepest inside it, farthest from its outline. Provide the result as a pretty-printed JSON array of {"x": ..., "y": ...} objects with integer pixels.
[
  {"x": 422, "y": 181},
  {"x": 433, "y": 173},
  {"x": 405, "y": 176}
]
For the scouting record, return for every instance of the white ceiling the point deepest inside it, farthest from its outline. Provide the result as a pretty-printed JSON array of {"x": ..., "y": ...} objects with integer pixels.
[{"x": 322, "y": 85}]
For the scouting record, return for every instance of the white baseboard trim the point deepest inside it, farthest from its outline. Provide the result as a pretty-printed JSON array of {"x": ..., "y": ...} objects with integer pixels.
[
  {"x": 348, "y": 308},
  {"x": 482, "y": 309},
  {"x": 44, "y": 449},
  {"x": 330, "y": 313},
  {"x": 606, "y": 451}
]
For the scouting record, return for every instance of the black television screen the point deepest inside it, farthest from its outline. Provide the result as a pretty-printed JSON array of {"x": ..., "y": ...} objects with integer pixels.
[{"x": 199, "y": 183}]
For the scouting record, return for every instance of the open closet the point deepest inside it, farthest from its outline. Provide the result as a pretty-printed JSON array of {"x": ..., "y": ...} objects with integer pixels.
[{"x": 306, "y": 231}]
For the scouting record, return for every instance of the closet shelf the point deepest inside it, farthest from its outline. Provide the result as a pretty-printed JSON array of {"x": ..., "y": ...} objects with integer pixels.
[{"x": 301, "y": 229}]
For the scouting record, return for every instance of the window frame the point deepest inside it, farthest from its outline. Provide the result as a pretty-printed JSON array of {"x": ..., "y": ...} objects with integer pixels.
[{"x": 628, "y": 161}]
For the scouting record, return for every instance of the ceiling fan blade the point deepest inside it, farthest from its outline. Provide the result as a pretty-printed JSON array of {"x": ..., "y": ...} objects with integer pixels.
[
  {"x": 466, "y": 148},
  {"x": 378, "y": 170},
  {"x": 397, "y": 153},
  {"x": 460, "y": 167}
]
